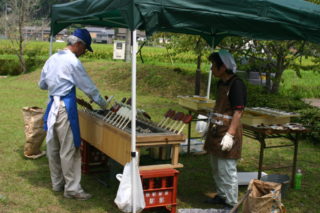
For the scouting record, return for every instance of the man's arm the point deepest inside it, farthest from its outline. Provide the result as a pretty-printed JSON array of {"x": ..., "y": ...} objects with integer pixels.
[
  {"x": 84, "y": 83},
  {"x": 42, "y": 82},
  {"x": 235, "y": 122}
]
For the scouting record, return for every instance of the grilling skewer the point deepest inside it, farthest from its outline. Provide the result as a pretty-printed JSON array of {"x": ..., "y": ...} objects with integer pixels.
[
  {"x": 180, "y": 124},
  {"x": 175, "y": 120},
  {"x": 178, "y": 118},
  {"x": 118, "y": 115},
  {"x": 112, "y": 109},
  {"x": 129, "y": 101},
  {"x": 124, "y": 117},
  {"x": 164, "y": 117},
  {"x": 84, "y": 104},
  {"x": 171, "y": 115},
  {"x": 129, "y": 120},
  {"x": 142, "y": 115},
  {"x": 186, "y": 120},
  {"x": 108, "y": 99},
  {"x": 146, "y": 115}
]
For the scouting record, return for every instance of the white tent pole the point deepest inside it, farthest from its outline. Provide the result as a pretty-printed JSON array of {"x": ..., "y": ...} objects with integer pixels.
[
  {"x": 50, "y": 49},
  {"x": 134, "y": 110},
  {"x": 209, "y": 84},
  {"x": 210, "y": 72}
]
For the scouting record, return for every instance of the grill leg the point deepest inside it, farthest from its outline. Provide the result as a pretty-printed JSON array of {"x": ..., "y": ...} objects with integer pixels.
[
  {"x": 262, "y": 146},
  {"x": 294, "y": 166}
]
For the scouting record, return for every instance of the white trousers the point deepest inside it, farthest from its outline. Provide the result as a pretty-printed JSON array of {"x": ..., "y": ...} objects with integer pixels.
[
  {"x": 64, "y": 157},
  {"x": 225, "y": 177}
]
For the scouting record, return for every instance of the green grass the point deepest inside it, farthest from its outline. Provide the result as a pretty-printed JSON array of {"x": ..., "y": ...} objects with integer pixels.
[
  {"x": 307, "y": 86},
  {"x": 25, "y": 184}
]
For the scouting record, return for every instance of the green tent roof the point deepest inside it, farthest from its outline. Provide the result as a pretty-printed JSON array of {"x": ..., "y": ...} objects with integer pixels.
[{"x": 257, "y": 19}]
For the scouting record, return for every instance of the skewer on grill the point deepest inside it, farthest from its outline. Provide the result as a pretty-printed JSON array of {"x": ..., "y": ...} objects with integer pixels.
[
  {"x": 172, "y": 120},
  {"x": 128, "y": 121},
  {"x": 187, "y": 119},
  {"x": 114, "y": 108},
  {"x": 129, "y": 101},
  {"x": 108, "y": 99},
  {"x": 84, "y": 103},
  {"x": 124, "y": 117},
  {"x": 142, "y": 115},
  {"x": 180, "y": 124},
  {"x": 178, "y": 117},
  {"x": 166, "y": 115},
  {"x": 170, "y": 115},
  {"x": 117, "y": 115},
  {"x": 146, "y": 115},
  {"x": 113, "y": 113}
]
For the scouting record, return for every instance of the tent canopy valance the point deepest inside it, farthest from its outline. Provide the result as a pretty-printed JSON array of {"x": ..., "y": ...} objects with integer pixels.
[{"x": 256, "y": 19}]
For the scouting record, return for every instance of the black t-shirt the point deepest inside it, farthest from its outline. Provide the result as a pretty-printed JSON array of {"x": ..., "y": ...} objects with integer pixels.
[{"x": 237, "y": 93}]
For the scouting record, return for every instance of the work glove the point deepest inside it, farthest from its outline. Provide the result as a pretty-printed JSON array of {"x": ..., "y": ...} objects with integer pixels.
[{"x": 227, "y": 142}]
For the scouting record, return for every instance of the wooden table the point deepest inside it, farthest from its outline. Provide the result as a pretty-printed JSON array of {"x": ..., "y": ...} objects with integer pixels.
[
  {"x": 262, "y": 134},
  {"x": 116, "y": 143}
]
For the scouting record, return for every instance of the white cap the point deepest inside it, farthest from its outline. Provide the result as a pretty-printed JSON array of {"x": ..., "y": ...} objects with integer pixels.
[{"x": 228, "y": 60}]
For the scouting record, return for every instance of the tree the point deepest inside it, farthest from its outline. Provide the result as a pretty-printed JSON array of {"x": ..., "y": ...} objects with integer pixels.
[
  {"x": 187, "y": 43},
  {"x": 270, "y": 57},
  {"x": 22, "y": 11},
  {"x": 44, "y": 7}
]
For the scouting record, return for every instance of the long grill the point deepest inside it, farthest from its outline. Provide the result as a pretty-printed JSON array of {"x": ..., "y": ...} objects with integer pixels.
[{"x": 110, "y": 132}]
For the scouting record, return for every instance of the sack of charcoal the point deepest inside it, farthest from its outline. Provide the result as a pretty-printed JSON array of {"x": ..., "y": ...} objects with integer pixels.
[{"x": 34, "y": 132}]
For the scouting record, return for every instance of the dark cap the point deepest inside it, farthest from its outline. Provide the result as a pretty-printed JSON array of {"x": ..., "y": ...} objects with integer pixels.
[{"x": 85, "y": 36}]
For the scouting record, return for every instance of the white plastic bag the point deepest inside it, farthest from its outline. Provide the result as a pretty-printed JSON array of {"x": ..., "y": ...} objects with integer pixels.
[
  {"x": 201, "y": 126},
  {"x": 124, "y": 194}
]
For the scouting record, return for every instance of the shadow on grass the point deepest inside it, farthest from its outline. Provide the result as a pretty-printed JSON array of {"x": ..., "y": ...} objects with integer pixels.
[{"x": 102, "y": 185}]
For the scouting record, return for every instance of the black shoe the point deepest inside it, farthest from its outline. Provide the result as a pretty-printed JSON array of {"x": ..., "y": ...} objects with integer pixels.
[
  {"x": 229, "y": 207},
  {"x": 216, "y": 200}
]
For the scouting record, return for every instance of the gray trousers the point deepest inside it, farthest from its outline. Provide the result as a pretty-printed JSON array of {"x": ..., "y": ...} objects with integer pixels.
[
  {"x": 64, "y": 157},
  {"x": 225, "y": 177}
]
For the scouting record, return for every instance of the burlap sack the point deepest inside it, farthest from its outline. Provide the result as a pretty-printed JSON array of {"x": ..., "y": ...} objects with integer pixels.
[
  {"x": 34, "y": 132},
  {"x": 265, "y": 197}
]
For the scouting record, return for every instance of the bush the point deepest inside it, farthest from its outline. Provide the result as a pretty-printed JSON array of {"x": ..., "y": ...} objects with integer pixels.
[
  {"x": 311, "y": 118},
  {"x": 9, "y": 66}
]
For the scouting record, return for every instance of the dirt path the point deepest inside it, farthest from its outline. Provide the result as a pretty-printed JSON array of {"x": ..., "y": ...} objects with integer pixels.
[{"x": 312, "y": 101}]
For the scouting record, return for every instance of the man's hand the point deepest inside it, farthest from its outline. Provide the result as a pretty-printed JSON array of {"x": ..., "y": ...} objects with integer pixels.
[{"x": 227, "y": 142}]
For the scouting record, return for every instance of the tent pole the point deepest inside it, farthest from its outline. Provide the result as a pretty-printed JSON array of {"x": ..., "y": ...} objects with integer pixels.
[
  {"x": 134, "y": 110},
  {"x": 210, "y": 73},
  {"x": 50, "y": 49},
  {"x": 209, "y": 84}
]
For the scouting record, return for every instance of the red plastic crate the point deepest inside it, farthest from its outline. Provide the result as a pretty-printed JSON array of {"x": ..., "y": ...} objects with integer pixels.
[
  {"x": 160, "y": 188},
  {"x": 92, "y": 160}
]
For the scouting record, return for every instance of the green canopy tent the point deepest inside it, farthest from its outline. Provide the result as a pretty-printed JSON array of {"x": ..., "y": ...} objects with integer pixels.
[{"x": 212, "y": 19}]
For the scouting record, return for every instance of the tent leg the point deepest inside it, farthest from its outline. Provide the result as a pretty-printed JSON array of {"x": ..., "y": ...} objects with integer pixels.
[
  {"x": 209, "y": 84},
  {"x": 50, "y": 49},
  {"x": 134, "y": 110}
]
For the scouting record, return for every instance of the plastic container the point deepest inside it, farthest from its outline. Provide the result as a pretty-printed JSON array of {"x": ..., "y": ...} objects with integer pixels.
[
  {"x": 297, "y": 180},
  {"x": 278, "y": 178},
  {"x": 160, "y": 188}
]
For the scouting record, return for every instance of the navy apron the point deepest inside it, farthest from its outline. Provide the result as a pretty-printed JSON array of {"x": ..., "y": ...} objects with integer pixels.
[{"x": 71, "y": 108}]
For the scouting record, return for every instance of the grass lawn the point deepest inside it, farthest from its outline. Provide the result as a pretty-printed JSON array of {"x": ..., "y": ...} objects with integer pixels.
[{"x": 25, "y": 184}]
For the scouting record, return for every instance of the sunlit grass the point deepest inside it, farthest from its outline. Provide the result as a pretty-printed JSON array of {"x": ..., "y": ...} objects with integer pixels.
[{"x": 25, "y": 184}]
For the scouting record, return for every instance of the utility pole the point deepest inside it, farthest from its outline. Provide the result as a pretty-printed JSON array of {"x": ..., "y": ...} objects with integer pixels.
[
  {"x": 42, "y": 29},
  {"x": 128, "y": 46},
  {"x": 6, "y": 20}
]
